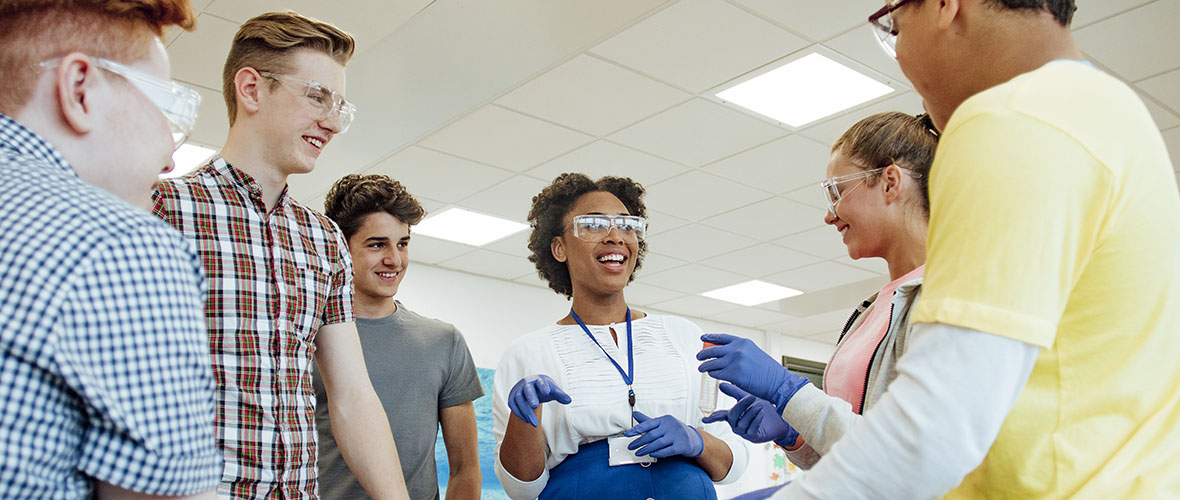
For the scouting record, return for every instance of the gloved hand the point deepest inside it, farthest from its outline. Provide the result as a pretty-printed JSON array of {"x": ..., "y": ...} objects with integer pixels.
[
  {"x": 530, "y": 392},
  {"x": 754, "y": 419},
  {"x": 741, "y": 362},
  {"x": 664, "y": 437}
]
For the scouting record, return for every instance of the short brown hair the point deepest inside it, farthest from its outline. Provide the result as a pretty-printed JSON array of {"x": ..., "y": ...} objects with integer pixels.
[
  {"x": 32, "y": 31},
  {"x": 266, "y": 41},
  {"x": 893, "y": 138},
  {"x": 547, "y": 217},
  {"x": 354, "y": 197}
]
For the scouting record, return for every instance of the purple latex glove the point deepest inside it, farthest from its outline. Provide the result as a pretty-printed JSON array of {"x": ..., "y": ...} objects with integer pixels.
[
  {"x": 530, "y": 392},
  {"x": 754, "y": 419},
  {"x": 741, "y": 362},
  {"x": 664, "y": 437}
]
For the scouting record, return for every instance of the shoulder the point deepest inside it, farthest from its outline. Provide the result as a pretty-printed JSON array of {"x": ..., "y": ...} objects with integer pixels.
[
  {"x": 530, "y": 347},
  {"x": 434, "y": 327}
]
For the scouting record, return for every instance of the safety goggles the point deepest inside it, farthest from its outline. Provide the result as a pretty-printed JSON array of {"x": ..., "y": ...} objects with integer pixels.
[
  {"x": 884, "y": 29},
  {"x": 177, "y": 101},
  {"x": 831, "y": 186},
  {"x": 327, "y": 101},
  {"x": 594, "y": 228}
]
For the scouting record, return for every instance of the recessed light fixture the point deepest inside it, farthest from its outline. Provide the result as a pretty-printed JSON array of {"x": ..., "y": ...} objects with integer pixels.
[
  {"x": 188, "y": 157},
  {"x": 468, "y": 227},
  {"x": 805, "y": 90},
  {"x": 752, "y": 293}
]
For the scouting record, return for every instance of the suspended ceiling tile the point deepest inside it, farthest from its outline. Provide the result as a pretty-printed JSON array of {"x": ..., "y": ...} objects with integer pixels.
[
  {"x": 1166, "y": 88},
  {"x": 212, "y": 121},
  {"x": 697, "y": 132},
  {"x": 829, "y": 131},
  {"x": 492, "y": 264},
  {"x": 820, "y": 276},
  {"x": 696, "y": 306},
  {"x": 817, "y": 21},
  {"x": 510, "y": 199},
  {"x": 602, "y": 158},
  {"x": 1172, "y": 140},
  {"x": 659, "y": 222},
  {"x": 811, "y": 196},
  {"x": 655, "y": 262},
  {"x": 436, "y": 175},
  {"x": 1090, "y": 11},
  {"x": 695, "y": 195},
  {"x": 516, "y": 244},
  {"x": 822, "y": 242},
  {"x": 697, "y": 44},
  {"x": 767, "y": 220},
  {"x": 860, "y": 44},
  {"x": 429, "y": 250},
  {"x": 1137, "y": 44},
  {"x": 811, "y": 325},
  {"x": 780, "y": 166},
  {"x": 750, "y": 317},
  {"x": 696, "y": 242},
  {"x": 593, "y": 96},
  {"x": 693, "y": 278},
  {"x": 762, "y": 260},
  {"x": 505, "y": 138},
  {"x": 198, "y": 56},
  {"x": 874, "y": 265},
  {"x": 645, "y": 295},
  {"x": 367, "y": 22}
]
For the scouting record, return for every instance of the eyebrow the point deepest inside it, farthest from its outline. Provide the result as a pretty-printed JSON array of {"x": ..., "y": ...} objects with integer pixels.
[{"x": 374, "y": 239}]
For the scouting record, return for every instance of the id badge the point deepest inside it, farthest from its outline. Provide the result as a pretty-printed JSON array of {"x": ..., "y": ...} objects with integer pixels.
[{"x": 620, "y": 455}]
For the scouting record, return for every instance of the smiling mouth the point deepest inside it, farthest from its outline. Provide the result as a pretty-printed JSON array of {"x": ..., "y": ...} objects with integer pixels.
[
  {"x": 613, "y": 260},
  {"x": 388, "y": 275},
  {"x": 314, "y": 141}
]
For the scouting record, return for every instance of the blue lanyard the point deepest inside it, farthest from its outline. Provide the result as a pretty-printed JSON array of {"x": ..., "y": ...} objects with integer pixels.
[{"x": 629, "y": 375}]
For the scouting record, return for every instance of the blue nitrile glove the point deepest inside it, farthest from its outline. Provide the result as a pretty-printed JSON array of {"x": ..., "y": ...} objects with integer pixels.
[
  {"x": 754, "y": 419},
  {"x": 741, "y": 362},
  {"x": 665, "y": 437},
  {"x": 761, "y": 494},
  {"x": 530, "y": 392}
]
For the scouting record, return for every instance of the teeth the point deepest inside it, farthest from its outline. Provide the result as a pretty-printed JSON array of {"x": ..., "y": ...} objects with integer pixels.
[
  {"x": 314, "y": 142},
  {"x": 387, "y": 275},
  {"x": 614, "y": 257}
]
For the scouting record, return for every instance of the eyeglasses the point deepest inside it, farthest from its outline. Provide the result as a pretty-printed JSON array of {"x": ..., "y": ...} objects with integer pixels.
[
  {"x": 177, "y": 101},
  {"x": 327, "y": 101},
  {"x": 594, "y": 228},
  {"x": 886, "y": 32},
  {"x": 831, "y": 186}
]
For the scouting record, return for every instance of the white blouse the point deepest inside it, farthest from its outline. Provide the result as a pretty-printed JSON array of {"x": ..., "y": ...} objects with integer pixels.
[{"x": 666, "y": 383}]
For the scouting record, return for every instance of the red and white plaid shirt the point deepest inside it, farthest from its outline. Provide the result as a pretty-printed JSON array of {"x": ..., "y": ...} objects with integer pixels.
[{"x": 274, "y": 279}]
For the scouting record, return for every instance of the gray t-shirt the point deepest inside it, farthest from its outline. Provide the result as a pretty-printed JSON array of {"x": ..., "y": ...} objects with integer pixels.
[{"x": 418, "y": 366}]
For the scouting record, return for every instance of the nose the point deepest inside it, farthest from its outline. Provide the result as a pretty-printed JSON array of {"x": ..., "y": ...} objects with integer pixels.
[
  {"x": 393, "y": 258},
  {"x": 614, "y": 234},
  {"x": 168, "y": 165},
  {"x": 332, "y": 123},
  {"x": 830, "y": 218}
]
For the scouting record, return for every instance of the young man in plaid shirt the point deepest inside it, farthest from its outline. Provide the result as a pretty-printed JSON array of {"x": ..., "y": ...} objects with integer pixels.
[
  {"x": 279, "y": 273},
  {"x": 105, "y": 382}
]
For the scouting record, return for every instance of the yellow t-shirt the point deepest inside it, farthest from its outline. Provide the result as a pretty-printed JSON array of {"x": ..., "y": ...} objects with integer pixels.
[{"x": 1055, "y": 220}]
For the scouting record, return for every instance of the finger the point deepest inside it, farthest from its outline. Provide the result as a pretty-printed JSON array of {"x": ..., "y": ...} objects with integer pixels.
[
  {"x": 713, "y": 365},
  {"x": 747, "y": 420},
  {"x": 530, "y": 395},
  {"x": 639, "y": 416},
  {"x": 718, "y": 338},
  {"x": 657, "y": 448},
  {"x": 733, "y": 391},
  {"x": 642, "y": 428},
  {"x": 543, "y": 387},
  {"x": 560, "y": 396},
  {"x": 647, "y": 437},
  {"x": 716, "y": 416},
  {"x": 739, "y": 409}
]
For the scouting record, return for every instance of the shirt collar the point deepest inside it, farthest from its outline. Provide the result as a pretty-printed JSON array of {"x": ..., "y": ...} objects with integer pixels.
[
  {"x": 243, "y": 180},
  {"x": 19, "y": 139}
]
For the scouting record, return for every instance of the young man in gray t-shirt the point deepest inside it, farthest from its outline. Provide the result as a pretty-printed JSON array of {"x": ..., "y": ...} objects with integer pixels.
[{"x": 420, "y": 367}]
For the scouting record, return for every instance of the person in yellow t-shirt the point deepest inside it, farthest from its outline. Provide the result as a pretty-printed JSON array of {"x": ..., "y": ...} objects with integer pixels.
[{"x": 1042, "y": 363}]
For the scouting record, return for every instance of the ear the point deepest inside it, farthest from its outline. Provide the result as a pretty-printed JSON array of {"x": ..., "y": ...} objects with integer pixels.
[
  {"x": 557, "y": 247},
  {"x": 891, "y": 183},
  {"x": 74, "y": 82},
  {"x": 247, "y": 82},
  {"x": 948, "y": 10}
]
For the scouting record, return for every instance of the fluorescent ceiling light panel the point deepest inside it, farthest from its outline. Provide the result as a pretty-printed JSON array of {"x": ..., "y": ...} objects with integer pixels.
[
  {"x": 752, "y": 293},
  {"x": 187, "y": 158},
  {"x": 805, "y": 90},
  {"x": 467, "y": 227}
]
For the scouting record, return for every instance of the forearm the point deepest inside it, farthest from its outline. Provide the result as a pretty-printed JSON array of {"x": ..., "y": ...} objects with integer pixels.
[
  {"x": 107, "y": 491},
  {"x": 366, "y": 443},
  {"x": 820, "y": 419},
  {"x": 716, "y": 459},
  {"x": 954, "y": 389},
  {"x": 464, "y": 483},
  {"x": 522, "y": 452}
]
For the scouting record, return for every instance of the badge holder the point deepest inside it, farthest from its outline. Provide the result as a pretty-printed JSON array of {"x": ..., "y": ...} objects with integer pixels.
[{"x": 620, "y": 455}]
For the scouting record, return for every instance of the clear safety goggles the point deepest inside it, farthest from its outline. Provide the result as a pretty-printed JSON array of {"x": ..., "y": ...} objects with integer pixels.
[
  {"x": 327, "y": 101},
  {"x": 831, "y": 186},
  {"x": 883, "y": 27},
  {"x": 594, "y": 228},
  {"x": 177, "y": 101}
]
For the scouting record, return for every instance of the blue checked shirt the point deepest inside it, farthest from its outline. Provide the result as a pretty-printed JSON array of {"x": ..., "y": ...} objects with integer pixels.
[{"x": 104, "y": 363}]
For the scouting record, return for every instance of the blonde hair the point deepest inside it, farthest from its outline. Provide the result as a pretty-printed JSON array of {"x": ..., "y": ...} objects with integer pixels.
[
  {"x": 32, "y": 31},
  {"x": 266, "y": 41},
  {"x": 893, "y": 138}
]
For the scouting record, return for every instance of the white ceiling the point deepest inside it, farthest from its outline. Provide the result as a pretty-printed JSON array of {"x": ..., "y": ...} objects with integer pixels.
[{"x": 479, "y": 104}]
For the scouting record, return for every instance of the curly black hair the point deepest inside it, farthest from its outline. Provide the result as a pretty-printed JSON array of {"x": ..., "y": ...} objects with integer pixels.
[
  {"x": 354, "y": 197},
  {"x": 547, "y": 218}
]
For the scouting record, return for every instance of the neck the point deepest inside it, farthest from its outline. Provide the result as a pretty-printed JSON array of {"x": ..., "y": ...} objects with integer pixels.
[
  {"x": 909, "y": 252},
  {"x": 599, "y": 310},
  {"x": 247, "y": 154},
  {"x": 369, "y": 307}
]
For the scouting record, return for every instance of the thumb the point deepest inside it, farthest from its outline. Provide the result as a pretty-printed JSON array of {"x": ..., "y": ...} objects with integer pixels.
[
  {"x": 733, "y": 391},
  {"x": 560, "y": 396},
  {"x": 640, "y": 417},
  {"x": 716, "y": 416}
]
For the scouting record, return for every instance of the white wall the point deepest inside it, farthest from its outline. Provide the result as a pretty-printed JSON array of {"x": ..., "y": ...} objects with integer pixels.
[{"x": 492, "y": 313}]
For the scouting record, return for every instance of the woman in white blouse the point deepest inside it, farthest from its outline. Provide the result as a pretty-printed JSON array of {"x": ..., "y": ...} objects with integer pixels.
[{"x": 605, "y": 370}]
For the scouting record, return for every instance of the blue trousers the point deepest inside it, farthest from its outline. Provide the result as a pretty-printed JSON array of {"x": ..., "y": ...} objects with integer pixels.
[{"x": 586, "y": 475}]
